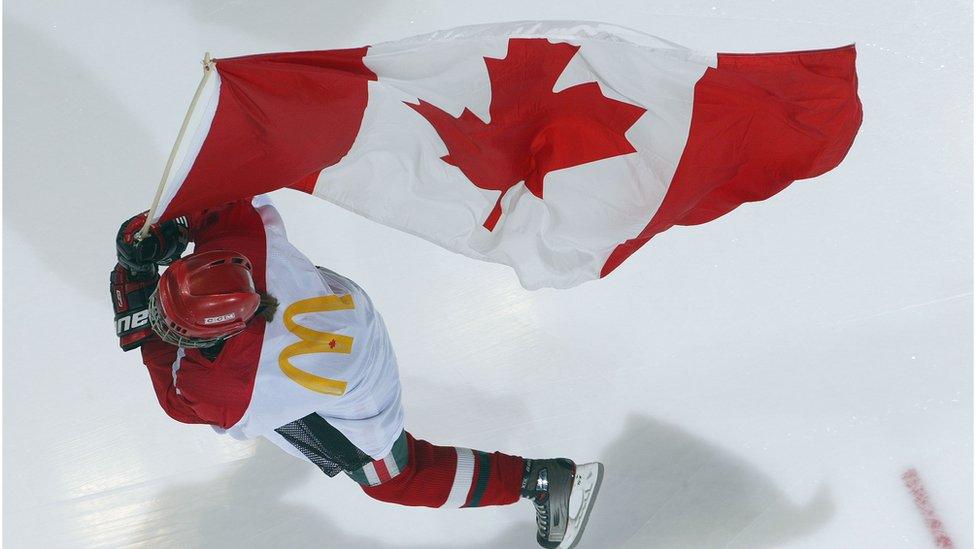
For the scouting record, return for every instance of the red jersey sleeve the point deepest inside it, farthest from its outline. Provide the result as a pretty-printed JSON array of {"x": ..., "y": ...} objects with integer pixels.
[
  {"x": 159, "y": 358},
  {"x": 224, "y": 221},
  {"x": 214, "y": 391}
]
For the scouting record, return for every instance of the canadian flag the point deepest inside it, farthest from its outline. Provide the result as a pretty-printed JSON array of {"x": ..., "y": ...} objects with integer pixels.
[{"x": 556, "y": 148}]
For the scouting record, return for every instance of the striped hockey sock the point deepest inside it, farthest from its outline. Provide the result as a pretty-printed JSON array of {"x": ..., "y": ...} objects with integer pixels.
[
  {"x": 418, "y": 473},
  {"x": 383, "y": 470}
]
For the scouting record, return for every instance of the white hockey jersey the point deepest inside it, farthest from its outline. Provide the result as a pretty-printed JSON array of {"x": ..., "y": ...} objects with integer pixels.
[{"x": 326, "y": 349}]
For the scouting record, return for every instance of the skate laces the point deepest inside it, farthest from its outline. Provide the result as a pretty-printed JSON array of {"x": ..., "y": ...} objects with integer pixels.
[
  {"x": 542, "y": 516},
  {"x": 541, "y": 502}
]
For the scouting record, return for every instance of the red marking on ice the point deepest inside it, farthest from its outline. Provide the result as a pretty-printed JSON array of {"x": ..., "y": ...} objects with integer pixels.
[{"x": 915, "y": 486}]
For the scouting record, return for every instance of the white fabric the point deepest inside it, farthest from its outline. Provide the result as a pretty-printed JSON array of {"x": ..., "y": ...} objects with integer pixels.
[
  {"x": 180, "y": 353},
  {"x": 369, "y": 413},
  {"x": 394, "y": 173},
  {"x": 463, "y": 476},
  {"x": 370, "y": 471},
  {"x": 391, "y": 465},
  {"x": 189, "y": 147}
]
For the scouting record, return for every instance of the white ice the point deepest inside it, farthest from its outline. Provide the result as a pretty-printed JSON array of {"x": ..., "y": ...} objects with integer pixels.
[{"x": 762, "y": 380}]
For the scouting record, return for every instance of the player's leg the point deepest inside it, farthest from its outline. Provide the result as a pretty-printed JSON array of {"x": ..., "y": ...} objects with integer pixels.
[
  {"x": 419, "y": 473},
  {"x": 416, "y": 472},
  {"x": 422, "y": 474}
]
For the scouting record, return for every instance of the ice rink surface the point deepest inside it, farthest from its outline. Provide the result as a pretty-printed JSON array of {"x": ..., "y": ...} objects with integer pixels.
[{"x": 764, "y": 380}]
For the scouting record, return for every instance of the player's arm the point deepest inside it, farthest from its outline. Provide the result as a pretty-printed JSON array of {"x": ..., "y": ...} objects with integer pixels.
[
  {"x": 132, "y": 283},
  {"x": 219, "y": 221},
  {"x": 130, "y": 297},
  {"x": 159, "y": 358},
  {"x": 135, "y": 276}
]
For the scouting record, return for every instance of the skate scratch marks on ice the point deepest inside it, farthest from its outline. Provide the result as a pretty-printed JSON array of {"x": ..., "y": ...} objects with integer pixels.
[
  {"x": 915, "y": 486},
  {"x": 905, "y": 308}
]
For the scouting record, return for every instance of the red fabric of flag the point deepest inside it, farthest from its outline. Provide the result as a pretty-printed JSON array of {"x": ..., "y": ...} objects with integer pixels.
[
  {"x": 279, "y": 118},
  {"x": 760, "y": 122}
]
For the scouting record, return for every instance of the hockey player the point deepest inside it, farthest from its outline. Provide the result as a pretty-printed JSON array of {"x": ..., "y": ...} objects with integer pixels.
[{"x": 247, "y": 335}]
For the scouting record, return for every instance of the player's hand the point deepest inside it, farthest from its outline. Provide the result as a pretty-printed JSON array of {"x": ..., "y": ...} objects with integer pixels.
[
  {"x": 130, "y": 298},
  {"x": 164, "y": 243}
]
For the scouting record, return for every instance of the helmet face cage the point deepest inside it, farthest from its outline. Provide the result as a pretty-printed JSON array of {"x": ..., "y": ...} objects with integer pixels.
[{"x": 169, "y": 332}]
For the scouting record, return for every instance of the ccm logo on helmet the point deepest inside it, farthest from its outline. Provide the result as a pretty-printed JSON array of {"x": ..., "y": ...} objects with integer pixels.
[{"x": 221, "y": 318}]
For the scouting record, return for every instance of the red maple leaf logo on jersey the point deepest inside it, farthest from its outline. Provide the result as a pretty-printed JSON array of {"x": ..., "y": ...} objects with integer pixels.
[{"x": 533, "y": 130}]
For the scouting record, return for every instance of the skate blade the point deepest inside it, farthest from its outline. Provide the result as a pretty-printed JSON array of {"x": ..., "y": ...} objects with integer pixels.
[{"x": 587, "y": 480}]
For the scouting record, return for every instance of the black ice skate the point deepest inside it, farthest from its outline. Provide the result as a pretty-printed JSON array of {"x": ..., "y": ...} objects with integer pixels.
[{"x": 563, "y": 494}]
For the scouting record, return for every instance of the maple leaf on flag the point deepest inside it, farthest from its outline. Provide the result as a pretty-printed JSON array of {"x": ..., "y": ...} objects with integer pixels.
[{"x": 533, "y": 130}]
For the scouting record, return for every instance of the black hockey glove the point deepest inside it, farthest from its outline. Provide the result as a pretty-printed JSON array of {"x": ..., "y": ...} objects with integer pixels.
[
  {"x": 130, "y": 298},
  {"x": 165, "y": 243}
]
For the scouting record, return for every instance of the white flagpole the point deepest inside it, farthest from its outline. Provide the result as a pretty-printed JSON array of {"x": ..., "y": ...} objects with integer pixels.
[{"x": 208, "y": 65}]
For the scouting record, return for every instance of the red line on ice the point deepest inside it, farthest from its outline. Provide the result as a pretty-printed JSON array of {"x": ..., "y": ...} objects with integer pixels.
[{"x": 915, "y": 486}]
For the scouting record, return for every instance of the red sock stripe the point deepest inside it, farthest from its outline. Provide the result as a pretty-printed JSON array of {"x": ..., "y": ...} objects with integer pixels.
[
  {"x": 381, "y": 471},
  {"x": 428, "y": 477}
]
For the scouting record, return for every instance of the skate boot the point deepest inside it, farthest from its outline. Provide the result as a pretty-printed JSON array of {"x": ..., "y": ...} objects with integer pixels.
[{"x": 563, "y": 494}]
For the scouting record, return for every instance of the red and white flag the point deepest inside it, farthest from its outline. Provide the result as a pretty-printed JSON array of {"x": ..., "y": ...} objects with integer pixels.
[{"x": 556, "y": 148}]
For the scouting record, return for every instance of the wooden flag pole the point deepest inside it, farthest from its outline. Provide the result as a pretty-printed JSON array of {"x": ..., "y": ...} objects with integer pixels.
[{"x": 208, "y": 66}]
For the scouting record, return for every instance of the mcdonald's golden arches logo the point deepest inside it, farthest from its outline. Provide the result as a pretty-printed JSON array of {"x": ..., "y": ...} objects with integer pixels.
[{"x": 314, "y": 341}]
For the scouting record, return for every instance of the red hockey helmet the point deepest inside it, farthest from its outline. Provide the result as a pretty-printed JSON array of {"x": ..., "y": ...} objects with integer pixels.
[{"x": 204, "y": 298}]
